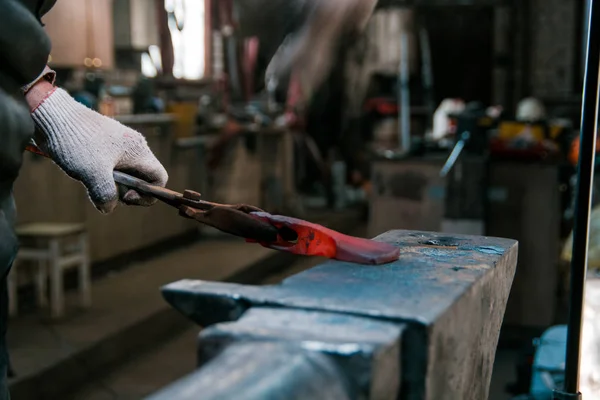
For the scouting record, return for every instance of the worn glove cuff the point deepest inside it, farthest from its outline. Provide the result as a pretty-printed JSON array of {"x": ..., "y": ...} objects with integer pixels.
[
  {"x": 48, "y": 74},
  {"x": 54, "y": 114}
]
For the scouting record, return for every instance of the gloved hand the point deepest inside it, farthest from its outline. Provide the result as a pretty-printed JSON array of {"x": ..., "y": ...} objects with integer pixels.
[{"x": 89, "y": 146}]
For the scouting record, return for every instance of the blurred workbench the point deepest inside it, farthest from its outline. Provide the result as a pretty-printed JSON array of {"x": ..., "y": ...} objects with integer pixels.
[
  {"x": 407, "y": 194},
  {"x": 523, "y": 203},
  {"x": 44, "y": 193},
  {"x": 258, "y": 168}
]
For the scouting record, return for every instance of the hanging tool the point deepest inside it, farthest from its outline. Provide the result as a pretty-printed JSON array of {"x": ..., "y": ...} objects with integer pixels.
[{"x": 256, "y": 226}]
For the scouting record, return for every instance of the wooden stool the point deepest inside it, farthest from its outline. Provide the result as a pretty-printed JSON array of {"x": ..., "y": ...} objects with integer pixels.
[{"x": 58, "y": 257}]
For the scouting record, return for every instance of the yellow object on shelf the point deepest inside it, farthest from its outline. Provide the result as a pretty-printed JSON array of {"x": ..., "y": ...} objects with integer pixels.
[
  {"x": 185, "y": 118},
  {"x": 509, "y": 130}
]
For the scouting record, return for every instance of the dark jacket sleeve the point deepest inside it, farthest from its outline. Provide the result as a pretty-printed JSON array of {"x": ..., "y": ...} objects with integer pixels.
[
  {"x": 24, "y": 49},
  {"x": 24, "y": 45},
  {"x": 43, "y": 6}
]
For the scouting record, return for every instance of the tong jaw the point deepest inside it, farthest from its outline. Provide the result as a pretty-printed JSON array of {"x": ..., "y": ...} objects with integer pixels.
[{"x": 233, "y": 219}]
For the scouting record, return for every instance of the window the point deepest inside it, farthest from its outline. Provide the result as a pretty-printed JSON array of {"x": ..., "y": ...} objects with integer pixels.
[{"x": 186, "y": 24}]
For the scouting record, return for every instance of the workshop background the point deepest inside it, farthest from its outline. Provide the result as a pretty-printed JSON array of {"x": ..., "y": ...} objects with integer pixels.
[{"x": 457, "y": 116}]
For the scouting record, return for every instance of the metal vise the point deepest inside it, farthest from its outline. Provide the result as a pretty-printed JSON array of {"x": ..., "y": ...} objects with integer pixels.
[
  {"x": 466, "y": 173},
  {"x": 423, "y": 327}
]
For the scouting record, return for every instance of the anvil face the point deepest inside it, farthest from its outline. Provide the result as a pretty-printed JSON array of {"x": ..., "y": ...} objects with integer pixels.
[
  {"x": 422, "y": 327},
  {"x": 432, "y": 271}
]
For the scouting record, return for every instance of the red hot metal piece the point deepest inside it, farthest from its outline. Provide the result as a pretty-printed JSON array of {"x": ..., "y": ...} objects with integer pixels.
[{"x": 316, "y": 240}]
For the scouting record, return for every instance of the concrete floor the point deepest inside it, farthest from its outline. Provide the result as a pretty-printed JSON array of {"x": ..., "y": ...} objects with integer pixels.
[{"x": 148, "y": 373}]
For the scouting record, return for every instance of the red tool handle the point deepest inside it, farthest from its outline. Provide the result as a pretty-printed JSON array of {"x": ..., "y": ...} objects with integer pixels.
[{"x": 317, "y": 240}]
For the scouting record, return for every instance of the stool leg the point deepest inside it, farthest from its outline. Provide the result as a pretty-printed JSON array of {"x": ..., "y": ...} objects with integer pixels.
[
  {"x": 84, "y": 273},
  {"x": 13, "y": 307},
  {"x": 41, "y": 279},
  {"x": 57, "y": 300}
]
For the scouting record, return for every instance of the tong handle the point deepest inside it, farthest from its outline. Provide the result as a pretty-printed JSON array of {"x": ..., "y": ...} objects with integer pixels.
[{"x": 171, "y": 197}]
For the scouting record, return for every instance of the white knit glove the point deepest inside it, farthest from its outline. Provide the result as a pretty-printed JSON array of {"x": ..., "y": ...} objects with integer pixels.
[{"x": 89, "y": 146}]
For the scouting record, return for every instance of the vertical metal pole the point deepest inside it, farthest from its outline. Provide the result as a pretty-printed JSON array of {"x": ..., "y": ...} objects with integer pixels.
[
  {"x": 404, "y": 103},
  {"x": 585, "y": 176},
  {"x": 586, "y": 26},
  {"x": 427, "y": 72}
]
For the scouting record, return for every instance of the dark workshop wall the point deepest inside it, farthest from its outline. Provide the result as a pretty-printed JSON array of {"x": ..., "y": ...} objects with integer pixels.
[
  {"x": 549, "y": 53},
  {"x": 555, "y": 47},
  {"x": 461, "y": 48}
]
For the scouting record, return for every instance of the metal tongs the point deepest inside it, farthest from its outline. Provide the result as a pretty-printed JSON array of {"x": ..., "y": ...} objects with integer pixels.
[
  {"x": 276, "y": 232},
  {"x": 233, "y": 219}
]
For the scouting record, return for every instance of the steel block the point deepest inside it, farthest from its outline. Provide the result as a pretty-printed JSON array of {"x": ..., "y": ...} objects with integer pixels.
[
  {"x": 366, "y": 350},
  {"x": 446, "y": 295}
]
